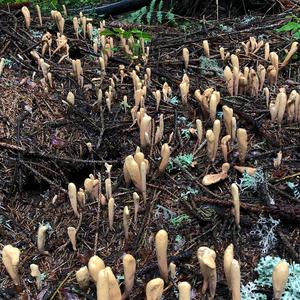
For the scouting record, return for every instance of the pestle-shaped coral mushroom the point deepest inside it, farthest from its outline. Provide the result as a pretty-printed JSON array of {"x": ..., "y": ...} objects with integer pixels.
[
  {"x": 206, "y": 258},
  {"x": 236, "y": 203},
  {"x": 83, "y": 277},
  {"x": 26, "y": 14},
  {"x": 72, "y": 192},
  {"x": 114, "y": 289},
  {"x": 102, "y": 285},
  {"x": 129, "y": 265},
  {"x": 11, "y": 259},
  {"x": 280, "y": 277},
  {"x": 154, "y": 289},
  {"x": 165, "y": 156},
  {"x": 35, "y": 272},
  {"x": 95, "y": 264},
  {"x": 228, "y": 257},
  {"x": 161, "y": 245},
  {"x": 235, "y": 280},
  {"x": 41, "y": 237},
  {"x": 184, "y": 290}
]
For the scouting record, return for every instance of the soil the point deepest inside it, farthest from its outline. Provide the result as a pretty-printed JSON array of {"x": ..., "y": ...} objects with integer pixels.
[{"x": 43, "y": 144}]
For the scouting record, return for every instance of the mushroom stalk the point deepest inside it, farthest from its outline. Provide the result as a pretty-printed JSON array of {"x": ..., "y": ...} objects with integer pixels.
[
  {"x": 235, "y": 279},
  {"x": 236, "y": 203},
  {"x": 161, "y": 245}
]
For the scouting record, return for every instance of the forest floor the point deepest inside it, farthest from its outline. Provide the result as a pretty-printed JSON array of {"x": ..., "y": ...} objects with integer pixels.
[{"x": 43, "y": 147}]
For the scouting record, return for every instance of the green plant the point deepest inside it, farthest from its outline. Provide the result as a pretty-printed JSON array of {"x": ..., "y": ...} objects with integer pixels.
[
  {"x": 176, "y": 221},
  {"x": 150, "y": 14},
  {"x": 182, "y": 161},
  {"x": 136, "y": 34},
  {"x": 293, "y": 26}
]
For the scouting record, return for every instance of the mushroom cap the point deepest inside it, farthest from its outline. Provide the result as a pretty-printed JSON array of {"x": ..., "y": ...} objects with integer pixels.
[{"x": 35, "y": 272}]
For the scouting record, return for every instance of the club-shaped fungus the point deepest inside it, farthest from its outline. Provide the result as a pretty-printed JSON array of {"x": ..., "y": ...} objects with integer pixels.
[
  {"x": 184, "y": 290},
  {"x": 165, "y": 156},
  {"x": 229, "y": 80},
  {"x": 242, "y": 143},
  {"x": 161, "y": 246},
  {"x": 38, "y": 10},
  {"x": 136, "y": 201},
  {"x": 126, "y": 218},
  {"x": 172, "y": 270},
  {"x": 70, "y": 99},
  {"x": 72, "y": 236},
  {"x": 83, "y": 277},
  {"x": 2, "y": 63},
  {"x": 235, "y": 280},
  {"x": 213, "y": 103},
  {"x": 11, "y": 259},
  {"x": 184, "y": 91},
  {"x": 81, "y": 197},
  {"x": 206, "y": 258},
  {"x": 132, "y": 171},
  {"x": 206, "y": 48},
  {"x": 277, "y": 160},
  {"x": 95, "y": 264},
  {"x": 236, "y": 203},
  {"x": 154, "y": 289},
  {"x": 225, "y": 146},
  {"x": 167, "y": 91},
  {"x": 228, "y": 114},
  {"x": 72, "y": 192},
  {"x": 186, "y": 57},
  {"x": 227, "y": 261},
  {"x": 281, "y": 102},
  {"x": 114, "y": 289},
  {"x": 293, "y": 50},
  {"x": 145, "y": 130},
  {"x": 35, "y": 272},
  {"x": 261, "y": 73},
  {"x": 41, "y": 237},
  {"x": 129, "y": 265},
  {"x": 222, "y": 53},
  {"x": 210, "y": 137},
  {"x": 102, "y": 285},
  {"x": 111, "y": 212},
  {"x": 216, "y": 131},
  {"x": 280, "y": 276},
  {"x": 199, "y": 131},
  {"x": 26, "y": 14},
  {"x": 275, "y": 63},
  {"x": 267, "y": 51}
]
